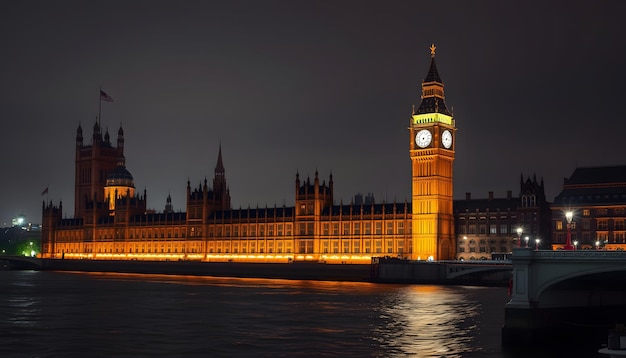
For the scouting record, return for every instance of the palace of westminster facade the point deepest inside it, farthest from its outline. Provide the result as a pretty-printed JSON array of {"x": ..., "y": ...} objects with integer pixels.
[{"x": 111, "y": 220}]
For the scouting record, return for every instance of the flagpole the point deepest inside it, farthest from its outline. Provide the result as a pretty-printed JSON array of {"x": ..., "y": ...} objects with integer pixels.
[{"x": 99, "y": 105}]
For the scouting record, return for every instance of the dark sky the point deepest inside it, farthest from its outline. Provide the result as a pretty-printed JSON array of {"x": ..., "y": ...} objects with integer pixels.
[{"x": 537, "y": 87}]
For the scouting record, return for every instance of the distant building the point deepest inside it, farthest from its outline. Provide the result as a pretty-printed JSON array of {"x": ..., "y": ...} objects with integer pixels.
[
  {"x": 487, "y": 228},
  {"x": 597, "y": 198},
  {"x": 367, "y": 200},
  {"x": 22, "y": 238}
]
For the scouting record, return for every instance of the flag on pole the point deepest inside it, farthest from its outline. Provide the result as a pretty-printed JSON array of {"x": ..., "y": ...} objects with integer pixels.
[
  {"x": 105, "y": 97},
  {"x": 45, "y": 191}
]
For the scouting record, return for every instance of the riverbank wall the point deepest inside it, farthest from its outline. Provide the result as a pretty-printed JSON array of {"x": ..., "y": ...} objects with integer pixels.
[{"x": 291, "y": 271}]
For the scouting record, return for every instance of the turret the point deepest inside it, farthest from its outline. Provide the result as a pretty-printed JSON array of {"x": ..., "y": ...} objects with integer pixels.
[
  {"x": 120, "y": 141},
  {"x": 221, "y": 193},
  {"x": 312, "y": 198},
  {"x": 96, "y": 136},
  {"x": 51, "y": 217},
  {"x": 93, "y": 163},
  {"x": 79, "y": 136},
  {"x": 297, "y": 183},
  {"x": 168, "y": 205}
]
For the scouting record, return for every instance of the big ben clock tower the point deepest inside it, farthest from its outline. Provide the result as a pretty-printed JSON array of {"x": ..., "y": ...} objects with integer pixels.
[{"x": 432, "y": 133}]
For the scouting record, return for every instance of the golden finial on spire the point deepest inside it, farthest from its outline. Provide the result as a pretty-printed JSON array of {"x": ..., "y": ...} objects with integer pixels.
[{"x": 432, "y": 50}]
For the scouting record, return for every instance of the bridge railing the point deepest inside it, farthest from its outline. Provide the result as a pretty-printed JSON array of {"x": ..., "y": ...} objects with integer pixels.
[{"x": 579, "y": 253}]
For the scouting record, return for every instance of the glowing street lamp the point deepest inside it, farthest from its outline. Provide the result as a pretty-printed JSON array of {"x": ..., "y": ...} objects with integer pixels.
[
  {"x": 526, "y": 239},
  {"x": 575, "y": 245},
  {"x": 568, "y": 244},
  {"x": 537, "y": 241},
  {"x": 597, "y": 245},
  {"x": 519, "y": 237}
]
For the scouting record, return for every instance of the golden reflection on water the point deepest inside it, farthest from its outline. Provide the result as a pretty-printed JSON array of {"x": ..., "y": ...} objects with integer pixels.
[
  {"x": 235, "y": 281},
  {"x": 428, "y": 321}
]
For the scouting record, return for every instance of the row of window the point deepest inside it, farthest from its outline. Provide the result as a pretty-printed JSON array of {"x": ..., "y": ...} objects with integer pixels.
[
  {"x": 494, "y": 229},
  {"x": 604, "y": 211},
  {"x": 493, "y": 217},
  {"x": 601, "y": 224},
  {"x": 253, "y": 230},
  {"x": 305, "y": 246},
  {"x": 356, "y": 228},
  {"x": 483, "y": 241},
  {"x": 529, "y": 201},
  {"x": 484, "y": 249},
  {"x": 618, "y": 237}
]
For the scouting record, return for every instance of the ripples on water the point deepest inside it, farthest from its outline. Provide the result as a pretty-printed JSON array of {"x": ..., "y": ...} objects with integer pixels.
[
  {"x": 51, "y": 314},
  {"x": 430, "y": 321}
]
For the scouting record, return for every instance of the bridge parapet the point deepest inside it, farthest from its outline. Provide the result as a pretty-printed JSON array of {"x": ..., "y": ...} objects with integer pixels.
[{"x": 578, "y": 254}]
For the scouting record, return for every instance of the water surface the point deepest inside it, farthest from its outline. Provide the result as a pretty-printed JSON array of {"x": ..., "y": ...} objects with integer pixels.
[{"x": 61, "y": 314}]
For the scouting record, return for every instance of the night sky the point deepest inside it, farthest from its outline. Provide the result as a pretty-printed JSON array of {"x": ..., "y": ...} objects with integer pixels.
[{"x": 537, "y": 87}]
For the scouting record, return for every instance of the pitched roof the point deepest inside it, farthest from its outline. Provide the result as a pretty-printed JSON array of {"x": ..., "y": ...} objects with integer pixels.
[
  {"x": 594, "y": 185},
  {"x": 597, "y": 175},
  {"x": 433, "y": 74}
]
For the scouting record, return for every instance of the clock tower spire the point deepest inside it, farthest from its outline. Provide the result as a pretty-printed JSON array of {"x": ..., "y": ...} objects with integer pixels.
[{"x": 432, "y": 133}]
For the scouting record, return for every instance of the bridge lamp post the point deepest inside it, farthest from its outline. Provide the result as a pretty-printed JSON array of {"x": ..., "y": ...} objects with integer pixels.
[
  {"x": 568, "y": 244},
  {"x": 519, "y": 237},
  {"x": 575, "y": 245},
  {"x": 526, "y": 239},
  {"x": 537, "y": 241}
]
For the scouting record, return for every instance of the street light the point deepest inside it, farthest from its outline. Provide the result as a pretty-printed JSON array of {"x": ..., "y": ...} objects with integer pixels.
[
  {"x": 597, "y": 245},
  {"x": 575, "y": 245},
  {"x": 537, "y": 241},
  {"x": 568, "y": 244},
  {"x": 526, "y": 239},
  {"x": 519, "y": 237}
]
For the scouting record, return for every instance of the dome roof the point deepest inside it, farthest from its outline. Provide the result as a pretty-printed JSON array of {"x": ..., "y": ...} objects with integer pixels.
[{"x": 120, "y": 177}]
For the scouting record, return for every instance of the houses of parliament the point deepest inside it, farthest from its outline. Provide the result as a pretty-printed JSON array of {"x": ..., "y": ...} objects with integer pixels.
[{"x": 111, "y": 219}]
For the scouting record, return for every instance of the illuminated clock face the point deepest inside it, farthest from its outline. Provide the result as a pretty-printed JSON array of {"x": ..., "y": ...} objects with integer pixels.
[
  {"x": 446, "y": 139},
  {"x": 423, "y": 138}
]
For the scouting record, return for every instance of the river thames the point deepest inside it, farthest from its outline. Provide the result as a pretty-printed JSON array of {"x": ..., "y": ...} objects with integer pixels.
[{"x": 71, "y": 314}]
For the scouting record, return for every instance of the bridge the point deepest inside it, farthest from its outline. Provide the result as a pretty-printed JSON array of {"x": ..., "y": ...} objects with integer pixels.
[
  {"x": 559, "y": 295},
  {"x": 21, "y": 262}
]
